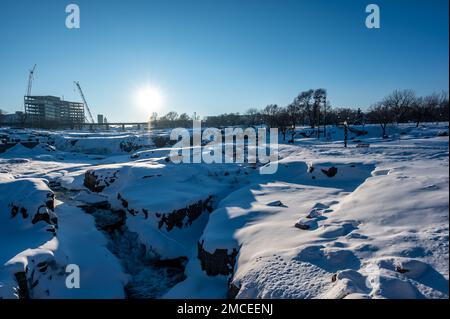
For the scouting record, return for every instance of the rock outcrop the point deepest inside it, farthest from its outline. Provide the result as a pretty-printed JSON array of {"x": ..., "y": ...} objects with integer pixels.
[
  {"x": 218, "y": 263},
  {"x": 97, "y": 183},
  {"x": 185, "y": 216}
]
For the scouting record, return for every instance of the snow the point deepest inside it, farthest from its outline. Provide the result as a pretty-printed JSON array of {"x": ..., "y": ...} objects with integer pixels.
[
  {"x": 397, "y": 209},
  {"x": 100, "y": 143},
  {"x": 28, "y": 197},
  {"x": 25, "y": 245},
  {"x": 332, "y": 222}
]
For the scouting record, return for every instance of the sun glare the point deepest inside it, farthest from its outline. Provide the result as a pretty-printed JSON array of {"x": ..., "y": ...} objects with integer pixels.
[{"x": 149, "y": 99}]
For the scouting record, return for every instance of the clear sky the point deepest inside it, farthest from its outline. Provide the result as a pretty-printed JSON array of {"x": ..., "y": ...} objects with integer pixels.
[{"x": 220, "y": 56}]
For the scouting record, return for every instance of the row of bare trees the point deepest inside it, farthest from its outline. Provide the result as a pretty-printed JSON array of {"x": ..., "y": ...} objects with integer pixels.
[
  {"x": 171, "y": 119},
  {"x": 404, "y": 106},
  {"x": 312, "y": 108}
]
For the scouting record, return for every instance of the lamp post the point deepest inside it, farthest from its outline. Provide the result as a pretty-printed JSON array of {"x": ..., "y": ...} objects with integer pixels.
[{"x": 345, "y": 133}]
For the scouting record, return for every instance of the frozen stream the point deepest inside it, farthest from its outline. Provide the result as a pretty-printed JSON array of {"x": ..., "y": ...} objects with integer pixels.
[{"x": 150, "y": 277}]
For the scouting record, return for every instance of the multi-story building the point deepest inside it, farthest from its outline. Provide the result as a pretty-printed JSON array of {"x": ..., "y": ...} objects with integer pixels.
[{"x": 43, "y": 110}]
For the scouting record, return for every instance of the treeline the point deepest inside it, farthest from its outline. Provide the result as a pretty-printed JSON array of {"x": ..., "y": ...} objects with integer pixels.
[
  {"x": 312, "y": 108},
  {"x": 404, "y": 106}
]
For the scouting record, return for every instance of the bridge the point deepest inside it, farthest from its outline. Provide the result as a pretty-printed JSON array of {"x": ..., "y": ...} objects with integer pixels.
[{"x": 79, "y": 126}]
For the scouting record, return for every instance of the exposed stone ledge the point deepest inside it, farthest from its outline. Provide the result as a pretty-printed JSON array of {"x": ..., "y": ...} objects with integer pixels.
[
  {"x": 96, "y": 183},
  {"x": 218, "y": 263}
]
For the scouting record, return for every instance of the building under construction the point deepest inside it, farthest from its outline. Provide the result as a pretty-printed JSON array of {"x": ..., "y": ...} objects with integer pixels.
[{"x": 51, "y": 111}]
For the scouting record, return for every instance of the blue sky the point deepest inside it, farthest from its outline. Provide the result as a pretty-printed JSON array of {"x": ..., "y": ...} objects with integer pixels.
[{"x": 220, "y": 56}]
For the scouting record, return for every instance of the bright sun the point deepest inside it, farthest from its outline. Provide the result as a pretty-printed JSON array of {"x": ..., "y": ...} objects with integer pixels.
[{"x": 149, "y": 98}]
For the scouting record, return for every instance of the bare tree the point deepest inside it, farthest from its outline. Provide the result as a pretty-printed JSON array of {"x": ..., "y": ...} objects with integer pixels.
[
  {"x": 171, "y": 116},
  {"x": 382, "y": 114},
  {"x": 319, "y": 97},
  {"x": 339, "y": 115},
  {"x": 252, "y": 115},
  {"x": 442, "y": 111},
  {"x": 400, "y": 102},
  {"x": 270, "y": 113},
  {"x": 423, "y": 108},
  {"x": 294, "y": 112},
  {"x": 154, "y": 116},
  {"x": 184, "y": 117},
  {"x": 304, "y": 102},
  {"x": 283, "y": 121}
]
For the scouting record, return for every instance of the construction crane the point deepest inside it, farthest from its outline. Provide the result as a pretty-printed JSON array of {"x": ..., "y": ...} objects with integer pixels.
[
  {"x": 91, "y": 119},
  {"x": 30, "y": 80}
]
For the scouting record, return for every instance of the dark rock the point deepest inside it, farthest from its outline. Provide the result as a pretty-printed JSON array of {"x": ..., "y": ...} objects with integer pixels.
[
  {"x": 161, "y": 141},
  {"x": 42, "y": 266},
  {"x": 233, "y": 290},
  {"x": 29, "y": 144},
  {"x": 123, "y": 201},
  {"x": 21, "y": 278},
  {"x": 401, "y": 270},
  {"x": 177, "y": 217},
  {"x": 45, "y": 216},
  {"x": 96, "y": 183},
  {"x": 50, "y": 203},
  {"x": 302, "y": 226},
  {"x": 91, "y": 182},
  {"x": 128, "y": 146},
  {"x": 23, "y": 211},
  {"x": 150, "y": 176},
  {"x": 331, "y": 172},
  {"x": 217, "y": 263},
  {"x": 276, "y": 203},
  {"x": 16, "y": 209}
]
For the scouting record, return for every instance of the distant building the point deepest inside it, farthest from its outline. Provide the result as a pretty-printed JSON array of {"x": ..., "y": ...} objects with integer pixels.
[
  {"x": 48, "y": 110},
  {"x": 13, "y": 118},
  {"x": 100, "y": 119}
]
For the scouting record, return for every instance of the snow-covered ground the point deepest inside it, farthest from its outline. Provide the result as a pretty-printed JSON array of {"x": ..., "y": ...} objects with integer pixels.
[{"x": 367, "y": 221}]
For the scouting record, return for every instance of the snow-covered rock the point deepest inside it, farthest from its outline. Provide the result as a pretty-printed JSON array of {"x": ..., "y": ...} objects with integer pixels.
[{"x": 373, "y": 220}]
